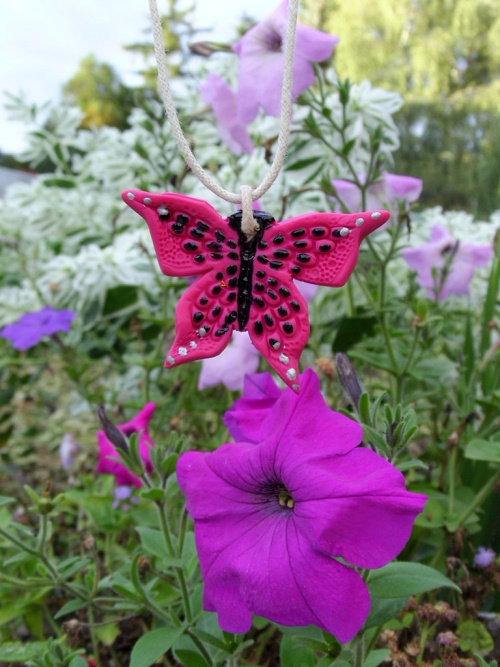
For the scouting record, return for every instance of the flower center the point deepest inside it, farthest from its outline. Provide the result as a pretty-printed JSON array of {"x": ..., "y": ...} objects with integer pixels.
[
  {"x": 285, "y": 499},
  {"x": 274, "y": 42}
]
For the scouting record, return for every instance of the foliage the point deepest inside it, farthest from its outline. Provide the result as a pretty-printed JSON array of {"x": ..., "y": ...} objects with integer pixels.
[
  {"x": 96, "y": 89},
  {"x": 87, "y": 576}
]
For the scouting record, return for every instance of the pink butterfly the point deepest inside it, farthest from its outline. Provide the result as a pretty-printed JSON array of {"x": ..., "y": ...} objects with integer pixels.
[{"x": 248, "y": 284}]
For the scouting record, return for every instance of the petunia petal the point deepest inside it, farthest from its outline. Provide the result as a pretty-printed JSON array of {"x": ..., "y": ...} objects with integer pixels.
[
  {"x": 299, "y": 418},
  {"x": 245, "y": 419},
  {"x": 355, "y": 506},
  {"x": 255, "y": 560}
]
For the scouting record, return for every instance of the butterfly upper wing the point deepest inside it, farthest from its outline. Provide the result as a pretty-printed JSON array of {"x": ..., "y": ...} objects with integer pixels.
[
  {"x": 191, "y": 238},
  {"x": 188, "y": 234},
  {"x": 321, "y": 248}
]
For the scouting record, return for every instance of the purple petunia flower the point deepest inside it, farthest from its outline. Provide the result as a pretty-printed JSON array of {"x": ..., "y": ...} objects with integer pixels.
[
  {"x": 139, "y": 424},
  {"x": 272, "y": 518},
  {"x": 261, "y": 53},
  {"x": 32, "y": 327},
  {"x": 222, "y": 98},
  {"x": 386, "y": 193},
  {"x": 484, "y": 557},
  {"x": 465, "y": 258}
]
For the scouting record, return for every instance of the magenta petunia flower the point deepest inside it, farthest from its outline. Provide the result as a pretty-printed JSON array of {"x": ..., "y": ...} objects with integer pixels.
[
  {"x": 442, "y": 247},
  {"x": 261, "y": 53},
  {"x": 246, "y": 418},
  {"x": 222, "y": 98},
  {"x": 231, "y": 365},
  {"x": 272, "y": 518},
  {"x": 140, "y": 425},
  {"x": 389, "y": 192},
  {"x": 32, "y": 327}
]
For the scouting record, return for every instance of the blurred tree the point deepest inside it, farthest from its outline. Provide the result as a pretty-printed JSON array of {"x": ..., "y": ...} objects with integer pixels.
[
  {"x": 98, "y": 91},
  {"x": 443, "y": 57},
  {"x": 177, "y": 31},
  {"x": 424, "y": 49}
]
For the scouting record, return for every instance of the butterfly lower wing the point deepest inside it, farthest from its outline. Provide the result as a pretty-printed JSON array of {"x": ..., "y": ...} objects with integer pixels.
[
  {"x": 204, "y": 320},
  {"x": 321, "y": 248},
  {"x": 188, "y": 234},
  {"x": 279, "y": 322}
]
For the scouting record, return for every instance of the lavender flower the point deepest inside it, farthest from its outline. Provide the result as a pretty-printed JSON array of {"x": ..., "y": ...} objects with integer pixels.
[
  {"x": 123, "y": 497},
  {"x": 68, "y": 450},
  {"x": 106, "y": 464},
  {"x": 231, "y": 365},
  {"x": 261, "y": 56},
  {"x": 444, "y": 252},
  {"x": 484, "y": 557},
  {"x": 221, "y": 97},
  {"x": 389, "y": 192},
  {"x": 271, "y": 518},
  {"x": 32, "y": 327}
]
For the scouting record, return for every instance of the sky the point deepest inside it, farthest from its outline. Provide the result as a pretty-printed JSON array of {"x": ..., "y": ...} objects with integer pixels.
[{"x": 43, "y": 41}]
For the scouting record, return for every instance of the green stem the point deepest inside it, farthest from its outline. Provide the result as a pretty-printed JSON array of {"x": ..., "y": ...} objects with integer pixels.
[
  {"x": 18, "y": 543},
  {"x": 451, "y": 479},
  {"x": 359, "y": 653},
  {"x": 480, "y": 498},
  {"x": 200, "y": 646},
  {"x": 171, "y": 551}
]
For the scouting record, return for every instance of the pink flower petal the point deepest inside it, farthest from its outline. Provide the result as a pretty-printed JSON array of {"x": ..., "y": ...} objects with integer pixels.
[
  {"x": 261, "y": 53},
  {"x": 344, "y": 512}
]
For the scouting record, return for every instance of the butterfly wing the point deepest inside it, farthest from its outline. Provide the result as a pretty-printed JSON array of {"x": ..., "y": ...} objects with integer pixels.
[
  {"x": 279, "y": 322},
  {"x": 189, "y": 236},
  {"x": 322, "y": 248},
  {"x": 204, "y": 320},
  {"x": 319, "y": 248}
]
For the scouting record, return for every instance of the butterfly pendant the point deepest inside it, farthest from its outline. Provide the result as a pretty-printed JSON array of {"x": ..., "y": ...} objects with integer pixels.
[{"x": 245, "y": 284}]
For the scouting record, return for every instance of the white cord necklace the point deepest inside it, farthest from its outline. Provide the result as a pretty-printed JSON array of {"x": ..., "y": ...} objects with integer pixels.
[{"x": 247, "y": 194}]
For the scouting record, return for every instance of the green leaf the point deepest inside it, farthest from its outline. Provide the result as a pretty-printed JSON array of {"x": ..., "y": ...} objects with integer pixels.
[
  {"x": 412, "y": 463},
  {"x": 401, "y": 580},
  {"x": 373, "y": 436},
  {"x": 153, "y": 645},
  {"x": 483, "y": 450},
  {"x": 292, "y": 655},
  {"x": 119, "y": 298},
  {"x": 153, "y": 541},
  {"x": 473, "y": 636},
  {"x": 301, "y": 164},
  {"x": 432, "y": 516},
  {"x": 72, "y": 605},
  {"x": 4, "y": 500},
  {"x": 78, "y": 661},
  {"x": 12, "y": 652},
  {"x": 351, "y": 330},
  {"x": 376, "y": 657},
  {"x": 59, "y": 182},
  {"x": 190, "y": 658},
  {"x": 383, "y": 610}
]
